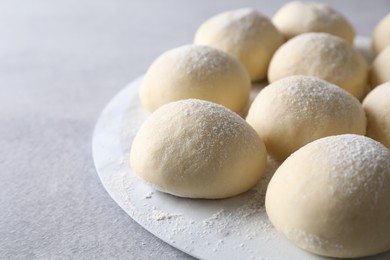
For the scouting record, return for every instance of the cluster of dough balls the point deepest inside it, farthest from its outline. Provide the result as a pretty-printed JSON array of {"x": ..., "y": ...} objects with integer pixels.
[
  {"x": 187, "y": 148},
  {"x": 330, "y": 196}
]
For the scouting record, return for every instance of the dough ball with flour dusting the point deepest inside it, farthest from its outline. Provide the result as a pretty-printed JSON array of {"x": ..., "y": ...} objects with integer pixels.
[
  {"x": 198, "y": 149},
  {"x": 381, "y": 36},
  {"x": 244, "y": 33},
  {"x": 200, "y": 72},
  {"x": 331, "y": 197},
  {"x": 322, "y": 55},
  {"x": 301, "y": 17},
  {"x": 380, "y": 68},
  {"x": 296, "y": 110},
  {"x": 377, "y": 107}
]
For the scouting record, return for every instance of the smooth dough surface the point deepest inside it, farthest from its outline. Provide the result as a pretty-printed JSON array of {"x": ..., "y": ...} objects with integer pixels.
[
  {"x": 331, "y": 197},
  {"x": 198, "y": 149},
  {"x": 321, "y": 55},
  {"x": 377, "y": 107},
  {"x": 380, "y": 68},
  {"x": 244, "y": 33},
  {"x": 298, "y": 17},
  {"x": 381, "y": 36},
  {"x": 200, "y": 72},
  {"x": 296, "y": 110}
]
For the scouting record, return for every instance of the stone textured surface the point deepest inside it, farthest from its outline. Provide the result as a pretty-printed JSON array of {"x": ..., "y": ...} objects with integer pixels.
[{"x": 60, "y": 63}]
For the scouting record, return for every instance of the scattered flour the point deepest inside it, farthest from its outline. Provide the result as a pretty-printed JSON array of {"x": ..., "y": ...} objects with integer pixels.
[
  {"x": 161, "y": 215},
  {"x": 149, "y": 195}
]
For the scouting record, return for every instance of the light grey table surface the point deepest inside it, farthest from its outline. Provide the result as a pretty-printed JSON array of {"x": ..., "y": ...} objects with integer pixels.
[{"x": 60, "y": 63}]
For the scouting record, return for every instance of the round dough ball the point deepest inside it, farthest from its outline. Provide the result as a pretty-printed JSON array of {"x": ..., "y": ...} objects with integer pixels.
[
  {"x": 322, "y": 55},
  {"x": 198, "y": 149},
  {"x": 381, "y": 36},
  {"x": 297, "y": 110},
  {"x": 331, "y": 197},
  {"x": 200, "y": 72},
  {"x": 244, "y": 33},
  {"x": 377, "y": 107},
  {"x": 301, "y": 17},
  {"x": 380, "y": 69}
]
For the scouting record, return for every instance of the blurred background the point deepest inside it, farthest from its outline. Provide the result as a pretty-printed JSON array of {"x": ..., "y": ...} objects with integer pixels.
[{"x": 60, "y": 63}]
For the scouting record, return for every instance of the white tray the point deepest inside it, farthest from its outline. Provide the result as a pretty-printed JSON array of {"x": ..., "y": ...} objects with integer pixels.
[{"x": 234, "y": 228}]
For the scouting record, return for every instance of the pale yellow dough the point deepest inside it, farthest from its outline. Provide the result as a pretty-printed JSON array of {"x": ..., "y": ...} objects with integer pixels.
[
  {"x": 298, "y": 17},
  {"x": 244, "y": 33},
  {"x": 200, "y": 72},
  {"x": 381, "y": 36},
  {"x": 377, "y": 107},
  {"x": 296, "y": 110},
  {"x": 198, "y": 149},
  {"x": 331, "y": 197},
  {"x": 322, "y": 55},
  {"x": 380, "y": 68}
]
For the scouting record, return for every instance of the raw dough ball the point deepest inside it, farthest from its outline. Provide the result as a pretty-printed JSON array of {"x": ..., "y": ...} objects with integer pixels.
[
  {"x": 300, "y": 17},
  {"x": 377, "y": 107},
  {"x": 322, "y": 55},
  {"x": 331, "y": 197},
  {"x": 380, "y": 69},
  {"x": 244, "y": 33},
  {"x": 196, "y": 72},
  {"x": 296, "y": 110},
  {"x": 197, "y": 149},
  {"x": 381, "y": 37}
]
